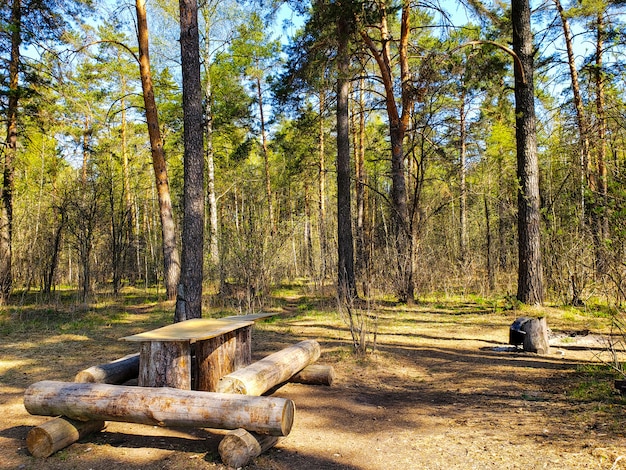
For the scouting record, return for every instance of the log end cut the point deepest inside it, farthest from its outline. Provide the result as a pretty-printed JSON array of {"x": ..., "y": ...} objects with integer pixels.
[{"x": 289, "y": 412}]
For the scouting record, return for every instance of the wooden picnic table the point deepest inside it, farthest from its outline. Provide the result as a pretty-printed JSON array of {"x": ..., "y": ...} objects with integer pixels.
[{"x": 221, "y": 346}]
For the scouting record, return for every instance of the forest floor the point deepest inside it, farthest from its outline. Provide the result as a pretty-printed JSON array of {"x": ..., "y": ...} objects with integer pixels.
[{"x": 442, "y": 390}]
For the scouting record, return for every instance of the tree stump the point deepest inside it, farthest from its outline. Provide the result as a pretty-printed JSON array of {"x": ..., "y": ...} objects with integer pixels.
[{"x": 531, "y": 333}]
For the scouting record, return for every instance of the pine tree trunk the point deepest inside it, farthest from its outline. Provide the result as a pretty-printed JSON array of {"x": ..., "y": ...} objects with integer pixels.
[
  {"x": 208, "y": 131},
  {"x": 362, "y": 261},
  {"x": 171, "y": 259},
  {"x": 208, "y": 141},
  {"x": 322, "y": 193},
  {"x": 193, "y": 219},
  {"x": 402, "y": 229},
  {"x": 346, "y": 285},
  {"x": 530, "y": 271}
]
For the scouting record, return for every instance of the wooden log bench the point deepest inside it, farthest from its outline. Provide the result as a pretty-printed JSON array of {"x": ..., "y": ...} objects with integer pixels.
[
  {"x": 58, "y": 433},
  {"x": 261, "y": 376},
  {"x": 126, "y": 369},
  {"x": 160, "y": 406}
]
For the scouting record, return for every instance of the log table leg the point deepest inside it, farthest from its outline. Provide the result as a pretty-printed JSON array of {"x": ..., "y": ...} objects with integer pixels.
[
  {"x": 219, "y": 356},
  {"x": 165, "y": 364}
]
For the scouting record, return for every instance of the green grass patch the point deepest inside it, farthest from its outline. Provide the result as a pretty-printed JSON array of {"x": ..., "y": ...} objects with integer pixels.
[{"x": 595, "y": 383}]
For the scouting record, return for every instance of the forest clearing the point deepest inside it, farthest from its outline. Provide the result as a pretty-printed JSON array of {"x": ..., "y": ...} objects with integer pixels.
[
  {"x": 398, "y": 181},
  {"x": 440, "y": 391}
]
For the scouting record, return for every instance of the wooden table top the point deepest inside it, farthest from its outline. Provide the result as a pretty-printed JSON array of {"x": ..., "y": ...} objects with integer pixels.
[
  {"x": 251, "y": 316},
  {"x": 196, "y": 329}
]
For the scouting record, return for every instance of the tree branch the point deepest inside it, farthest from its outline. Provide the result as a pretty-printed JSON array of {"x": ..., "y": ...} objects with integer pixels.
[{"x": 509, "y": 51}]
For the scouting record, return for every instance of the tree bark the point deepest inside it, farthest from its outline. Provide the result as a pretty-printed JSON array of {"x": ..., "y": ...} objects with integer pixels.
[
  {"x": 530, "y": 271},
  {"x": 346, "y": 282},
  {"x": 160, "y": 406},
  {"x": 171, "y": 259},
  {"x": 193, "y": 219},
  {"x": 260, "y": 376},
  {"x": 165, "y": 364},
  {"x": 322, "y": 191}
]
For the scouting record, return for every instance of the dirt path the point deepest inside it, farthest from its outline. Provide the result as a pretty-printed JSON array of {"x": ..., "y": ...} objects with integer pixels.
[{"x": 435, "y": 395}]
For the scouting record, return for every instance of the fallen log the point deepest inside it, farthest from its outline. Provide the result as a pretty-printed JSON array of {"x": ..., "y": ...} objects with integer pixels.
[
  {"x": 160, "y": 406},
  {"x": 239, "y": 447},
  {"x": 315, "y": 374},
  {"x": 116, "y": 372},
  {"x": 261, "y": 376},
  {"x": 58, "y": 433}
]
